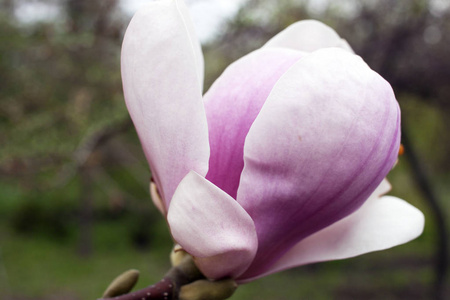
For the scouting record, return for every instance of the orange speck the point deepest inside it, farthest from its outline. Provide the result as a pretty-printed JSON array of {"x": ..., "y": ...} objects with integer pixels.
[{"x": 401, "y": 150}]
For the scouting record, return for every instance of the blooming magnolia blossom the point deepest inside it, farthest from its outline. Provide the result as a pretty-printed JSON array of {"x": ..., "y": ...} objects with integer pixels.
[{"x": 281, "y": 163}]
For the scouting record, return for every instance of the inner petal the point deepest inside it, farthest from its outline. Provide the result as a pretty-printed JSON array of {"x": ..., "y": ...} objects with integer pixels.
[
  {"x": 232, "y": 104},
  {"x": 326, "y": 137}
]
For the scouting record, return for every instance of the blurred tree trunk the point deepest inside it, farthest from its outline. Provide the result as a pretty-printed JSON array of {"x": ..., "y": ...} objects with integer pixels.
[
  {"x": 88, "y": 17},
  {"x": 78, "y": 14},
  {"x": 86, "y": 216},
  {"x": 421, "y": 178},
  {"x": 7, "y": 6}
]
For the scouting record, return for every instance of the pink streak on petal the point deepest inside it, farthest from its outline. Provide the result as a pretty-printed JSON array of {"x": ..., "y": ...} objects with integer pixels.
[
  {"x": 212, "y": 227},
  {"x": 161, "y": 74},
  {"x": 325, "y": 139},
  {"x": 233, "y": 103},
  {"x": 381, "y": 223}
]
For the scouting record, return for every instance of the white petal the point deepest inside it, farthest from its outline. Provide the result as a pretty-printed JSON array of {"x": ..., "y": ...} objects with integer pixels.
[
  {"x": 308, "y": 36},
  {"x": 381, "y": 223},
  {"x": 195, "y": 43},
  {"x": 161, "y": 70},
  {"x": 211, "y": 226}
]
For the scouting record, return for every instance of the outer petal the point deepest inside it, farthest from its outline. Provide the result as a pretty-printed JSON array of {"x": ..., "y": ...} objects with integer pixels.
[
  {"x": 324, "y": 140},
  {"x": 308, "y": 36},
  {"x": 195, "y": 43},
  {"x": 162, "y": 85},
  {"x": 233, "y": 103},
  {"x": 381, "y": 223},
  {"x": 212, "y": 227}
]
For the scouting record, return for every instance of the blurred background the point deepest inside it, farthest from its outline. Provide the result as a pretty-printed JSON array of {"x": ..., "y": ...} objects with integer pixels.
[{"x": 74, "y": 204}]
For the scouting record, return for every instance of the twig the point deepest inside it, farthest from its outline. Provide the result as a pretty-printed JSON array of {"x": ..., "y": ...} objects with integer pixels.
[
  {"x": 163, "y": 290},
  {"x": 169, "y": 287}
]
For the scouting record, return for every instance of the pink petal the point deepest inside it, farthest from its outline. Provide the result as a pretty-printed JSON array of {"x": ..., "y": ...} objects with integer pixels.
[
  {"x": 161, "y": 73},
  {"x": 381, "y": 223},
  {"x": 308, "y": 36},
  {"x": 233, "y": 103},
  {"x": 324, "y": 140},
  {"x": 213, "y": 227}
]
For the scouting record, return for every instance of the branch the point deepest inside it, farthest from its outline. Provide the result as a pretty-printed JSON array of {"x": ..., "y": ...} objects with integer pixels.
[
  {"x": 87, "y": 146},
  {"x": 184, "y": 281},
  {"x": 167, "y": 289},
  {"x": 163, "y": 290}
]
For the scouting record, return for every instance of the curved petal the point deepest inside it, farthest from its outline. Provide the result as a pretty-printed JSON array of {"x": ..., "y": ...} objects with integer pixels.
[
  {"x": 308, "y": 36},
  {"x": 381, "y": 223},
  {"x": 324, "y": 140},
  {"x": 212, "y": 227},
  {"x": 232, "y": 104},
  {"x": 156, "y": 198},
  {"x": 160, "y": 74}
]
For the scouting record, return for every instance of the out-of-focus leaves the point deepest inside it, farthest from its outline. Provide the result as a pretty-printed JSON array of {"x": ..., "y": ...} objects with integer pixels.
[{"x": 59, "y": 82}]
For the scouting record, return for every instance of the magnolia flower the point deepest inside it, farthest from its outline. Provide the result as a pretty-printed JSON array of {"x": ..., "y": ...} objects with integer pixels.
[{"x": 281, "y": 163}]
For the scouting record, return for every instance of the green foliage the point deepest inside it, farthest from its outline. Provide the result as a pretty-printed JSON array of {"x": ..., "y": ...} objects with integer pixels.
[
  {"x": 56, "y": 83},
  {"x": 395, "y": 272},
  {"x": 34, "y": 219}
]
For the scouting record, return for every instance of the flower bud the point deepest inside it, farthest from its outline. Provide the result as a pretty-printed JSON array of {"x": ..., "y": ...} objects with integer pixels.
[
  {"x": 177, "y": 255},
  {"x": 208, "y": 290},
  {"x": 122, "y": 284}
]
